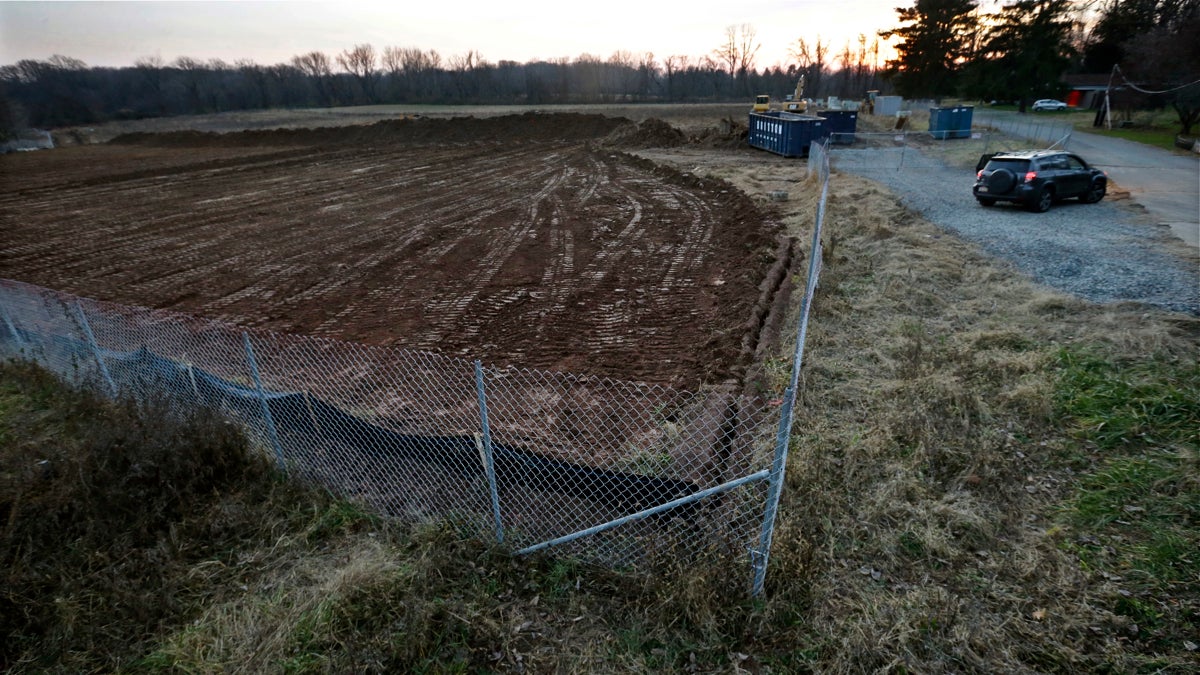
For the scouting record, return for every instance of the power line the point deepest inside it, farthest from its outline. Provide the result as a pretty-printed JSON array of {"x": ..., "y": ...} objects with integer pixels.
[{"x": 1117, "y": 70}]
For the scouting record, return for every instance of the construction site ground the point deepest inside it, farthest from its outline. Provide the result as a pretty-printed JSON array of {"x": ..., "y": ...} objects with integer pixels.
[{"x": 531, "y": 239}]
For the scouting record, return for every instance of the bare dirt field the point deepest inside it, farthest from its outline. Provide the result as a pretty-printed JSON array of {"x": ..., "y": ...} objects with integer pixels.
[{"x": 516, "y": 239}]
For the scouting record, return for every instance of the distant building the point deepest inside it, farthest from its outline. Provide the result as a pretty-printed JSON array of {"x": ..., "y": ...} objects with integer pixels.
[{"x": 1087, "y": 91}]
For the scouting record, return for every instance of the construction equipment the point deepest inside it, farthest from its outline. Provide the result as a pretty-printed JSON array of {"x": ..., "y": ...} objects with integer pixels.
[
  {"x": 797, "y": 104},
  {"x": 794, "y": 103}
]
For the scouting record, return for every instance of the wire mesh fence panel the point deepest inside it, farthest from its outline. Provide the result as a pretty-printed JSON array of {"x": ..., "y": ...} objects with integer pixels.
[
  {"x": 912, "y": 150},
  {"x": 573, "y": 452},
  {"x": 44, "y": 329},
  {"x": 405, "y": 432},
  {"x": 1031, "y": 129}
]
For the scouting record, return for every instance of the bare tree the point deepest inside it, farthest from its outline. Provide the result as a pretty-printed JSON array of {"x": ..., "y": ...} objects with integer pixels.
[
  {"x": 466, "y": 74},
  {"x": 219, "y": 84},
  {"x": 672, "y": 66},
  {"x": 647, "y": 73},
  {"x": 360, "y": 63},
  {"x": 392, "y": 61},
  {"x": 193, "y": 76},
  {"x": 748, "y": 47},
  {"x": 151, "y": 68},
  {"x": 411, "y": 70},
  {"x": 288, "y": 81},
  {"x": 811, "y": 58},
  {"x": 622, "y": 73},
  {"x": 318, "y": 68},
  {"x": 258, "y": 78},
  {"x": 562, "y": 67},
  {"x": 727, "y": 53},
  {"x": 738, "y": 51},
  {"x": 472, "y": 60},
  {"x": 66, "y": 62},
  {"x": 589, "y": 76}
]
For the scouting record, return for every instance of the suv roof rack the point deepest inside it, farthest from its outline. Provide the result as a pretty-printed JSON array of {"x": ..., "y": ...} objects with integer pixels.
[{"x": 1027, "y": 154}]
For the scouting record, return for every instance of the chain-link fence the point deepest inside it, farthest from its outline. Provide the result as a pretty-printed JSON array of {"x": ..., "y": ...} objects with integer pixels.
[
  {"x": 1038, "y": 131},
  {"x": 900, "y": 150},
  {"x": 608, "y": 471}
]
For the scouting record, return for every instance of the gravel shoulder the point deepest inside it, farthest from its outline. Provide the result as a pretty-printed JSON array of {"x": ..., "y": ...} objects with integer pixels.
[{"x": 1103, "y": 252}]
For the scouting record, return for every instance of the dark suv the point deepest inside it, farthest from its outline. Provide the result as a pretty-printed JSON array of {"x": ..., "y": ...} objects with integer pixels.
[{"x": 1037, "y": 179}]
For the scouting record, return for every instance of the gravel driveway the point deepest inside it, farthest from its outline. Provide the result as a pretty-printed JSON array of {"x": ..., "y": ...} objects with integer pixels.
[
  {"x": 1100, "y": 252},
  {"x": 1166, "y": 183}
]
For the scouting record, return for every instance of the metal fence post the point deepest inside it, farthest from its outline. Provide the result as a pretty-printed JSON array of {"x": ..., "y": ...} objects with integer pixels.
[
  {"x": 775, "y": 489},
  {"x": 262, "y": 399},
  {"x": 87, "y": 331},
  {"x": 762, "y": 555},
  {"x": 489, "y": 465},
  {"x": 12, "y": 328}
]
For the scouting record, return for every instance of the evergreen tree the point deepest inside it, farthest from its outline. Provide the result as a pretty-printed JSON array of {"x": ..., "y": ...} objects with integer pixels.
[
  {"x": 1025, "y": 52},
  {"x": 1123, "y": 22},
  {"x": 934, "y": 45}
]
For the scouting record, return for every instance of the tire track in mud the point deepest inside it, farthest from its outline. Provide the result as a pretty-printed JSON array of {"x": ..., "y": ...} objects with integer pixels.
[
  {"x": 208, "y": 214},
  {"x": 468, "y": 215}
]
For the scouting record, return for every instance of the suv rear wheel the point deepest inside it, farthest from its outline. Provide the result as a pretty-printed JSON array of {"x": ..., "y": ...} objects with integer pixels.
[
  {"x": 1042, "y": 202},
  {"x": 986, "y": 201}
]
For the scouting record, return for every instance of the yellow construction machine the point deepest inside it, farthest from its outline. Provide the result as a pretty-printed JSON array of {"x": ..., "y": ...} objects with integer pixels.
[{"x": 796, "y": 102}]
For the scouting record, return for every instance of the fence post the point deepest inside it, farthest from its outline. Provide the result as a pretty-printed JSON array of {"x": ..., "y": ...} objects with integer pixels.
[
  {"x": 192, "y": 379},
  {"x": 903, "y": 145},
  {"x": 262, "y": 399},
  {"x": 774, "y": 490},
  {"x": 489, "y": 465},
  {"x": 762, "y": 555},
  {"x": 12, "y": 328},
  {"x": 87, "y": 331}
]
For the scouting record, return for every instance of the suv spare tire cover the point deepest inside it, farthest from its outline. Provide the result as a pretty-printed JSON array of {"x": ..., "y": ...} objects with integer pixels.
[{"x": 1001, "y": 181}]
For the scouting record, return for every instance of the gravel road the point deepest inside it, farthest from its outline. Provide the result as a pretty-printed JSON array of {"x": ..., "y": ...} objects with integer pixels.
[{"x": 1100, "y": 252}]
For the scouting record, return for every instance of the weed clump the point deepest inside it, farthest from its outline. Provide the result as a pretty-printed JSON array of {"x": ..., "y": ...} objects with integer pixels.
[{"x": 105, "y": 507}]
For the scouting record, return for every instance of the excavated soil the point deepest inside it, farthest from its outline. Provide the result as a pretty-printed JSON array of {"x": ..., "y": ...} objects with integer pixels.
[{"x": 519, "y": 240}]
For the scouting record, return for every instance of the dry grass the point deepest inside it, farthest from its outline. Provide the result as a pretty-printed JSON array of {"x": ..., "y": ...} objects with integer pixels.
[{"x": 930, "y": 461}]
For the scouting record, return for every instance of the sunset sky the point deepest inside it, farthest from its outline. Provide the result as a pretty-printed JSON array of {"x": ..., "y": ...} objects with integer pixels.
[{"x": 118, "y": 33}]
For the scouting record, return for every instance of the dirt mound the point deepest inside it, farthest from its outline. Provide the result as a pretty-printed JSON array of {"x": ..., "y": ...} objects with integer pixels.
[
  {"x": 650, "y": 133},
  {"x": 532, "y": 126},
  {"x": 730, "y": 134}
]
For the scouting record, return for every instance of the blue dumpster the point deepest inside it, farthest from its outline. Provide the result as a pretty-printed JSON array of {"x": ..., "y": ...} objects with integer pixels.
[
  {"x": 963, "y": 115},
  {"x": 941, "y": 122},
  {"x": 784, "y": 133},
  {"x": 841, "y": 124},
  {"x": 951, "y": 122}
]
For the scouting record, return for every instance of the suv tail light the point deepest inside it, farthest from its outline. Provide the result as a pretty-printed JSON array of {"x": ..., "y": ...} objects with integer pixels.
[
  {"x": 979, "y": 173},
  {"x": 1029, "y": 176}
]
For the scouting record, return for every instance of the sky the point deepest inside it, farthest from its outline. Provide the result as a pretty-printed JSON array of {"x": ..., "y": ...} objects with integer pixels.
[{"x": 119, "y": 33}]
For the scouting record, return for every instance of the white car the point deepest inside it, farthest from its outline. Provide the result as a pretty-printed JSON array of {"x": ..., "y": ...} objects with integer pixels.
[{"x": 1048, "y": 104}]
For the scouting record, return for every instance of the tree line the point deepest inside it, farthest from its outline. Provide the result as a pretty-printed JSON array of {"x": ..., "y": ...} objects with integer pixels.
[
  {"x": 1020, "y": 51},
  {"x": 63, "y": 91}
]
